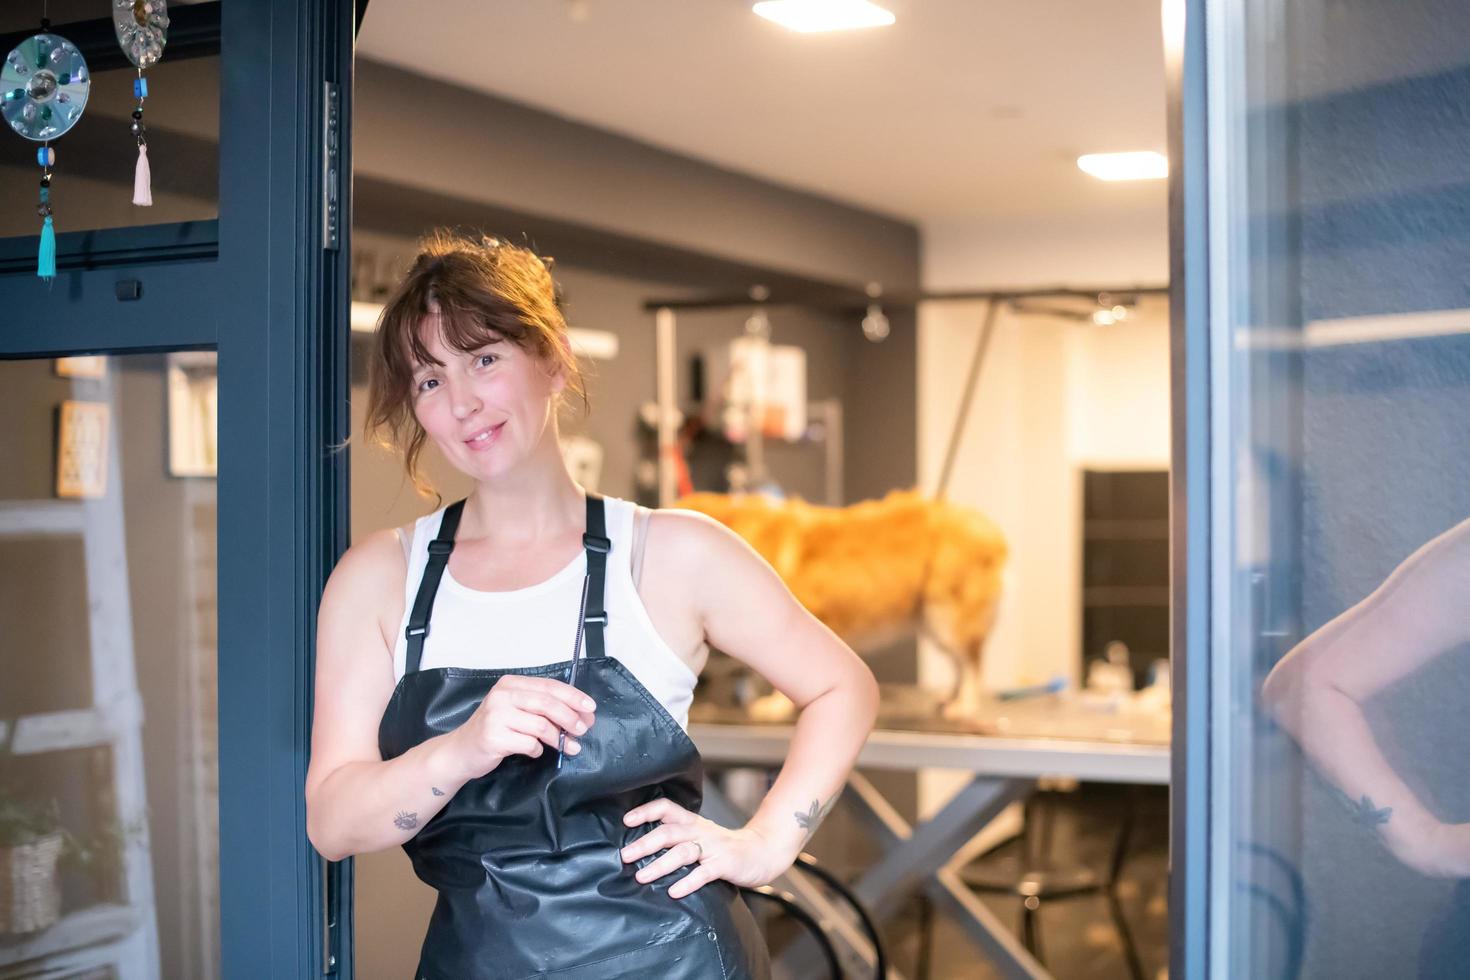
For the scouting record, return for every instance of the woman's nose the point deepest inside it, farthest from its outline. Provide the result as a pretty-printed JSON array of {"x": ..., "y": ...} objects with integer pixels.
[{"x": 463, "y": 401}]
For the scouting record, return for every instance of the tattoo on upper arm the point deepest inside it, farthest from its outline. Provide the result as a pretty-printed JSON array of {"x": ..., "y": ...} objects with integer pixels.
[
  {"x": 437, "y": 791},
  {"x": 814, "y": 815},
  {"x": 406, "y": 821}
]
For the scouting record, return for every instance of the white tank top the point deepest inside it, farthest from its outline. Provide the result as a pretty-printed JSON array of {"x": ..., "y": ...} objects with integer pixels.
[{"x": 537, "y": 625}]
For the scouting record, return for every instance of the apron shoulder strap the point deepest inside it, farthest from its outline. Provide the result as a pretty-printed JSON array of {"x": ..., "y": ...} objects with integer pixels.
[
  {"x": 598, "y": 544},
  {"x": 423, "y": 602}
]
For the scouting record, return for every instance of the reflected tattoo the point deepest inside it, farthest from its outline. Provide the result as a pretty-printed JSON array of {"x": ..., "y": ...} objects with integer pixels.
[
  {"x": 1365, "y": 812},
  {"x": 814, "y": 815},
  {"x": 437, "y": 791},
  {"x": 1367, "y": 815},
  {"x": 406, "y": 821}
]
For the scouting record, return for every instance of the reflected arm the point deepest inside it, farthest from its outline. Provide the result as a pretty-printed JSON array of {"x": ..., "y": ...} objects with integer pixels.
[{"x": 1318, "y": 690}]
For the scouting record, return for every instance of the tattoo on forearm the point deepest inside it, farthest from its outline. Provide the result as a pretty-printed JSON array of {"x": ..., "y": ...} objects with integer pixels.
[
  {"x": 406, "y": 821},
  {"x": 437, "y": 791},
  {"x": 814, "y": 815},
  {"x": 1367, "y": 815}
]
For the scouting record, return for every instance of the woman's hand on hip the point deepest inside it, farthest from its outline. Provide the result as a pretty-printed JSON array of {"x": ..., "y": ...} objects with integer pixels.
[
  {"x": 741, "y": 857},
  {"x": 523, "y": 716}
]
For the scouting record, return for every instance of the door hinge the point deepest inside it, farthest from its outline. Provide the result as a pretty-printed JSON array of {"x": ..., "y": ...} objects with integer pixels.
[{"x": 331, "y": 166}]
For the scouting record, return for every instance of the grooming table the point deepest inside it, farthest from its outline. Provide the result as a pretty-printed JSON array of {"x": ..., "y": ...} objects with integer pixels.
[{"x": 1048, "y": 737}]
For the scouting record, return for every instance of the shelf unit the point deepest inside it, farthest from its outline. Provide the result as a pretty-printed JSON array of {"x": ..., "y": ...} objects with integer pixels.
[{"x": 1125, "y": 561}]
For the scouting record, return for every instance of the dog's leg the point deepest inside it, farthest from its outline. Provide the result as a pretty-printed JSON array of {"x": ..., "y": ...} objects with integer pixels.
[
  {"x": 968, "y": 698},
  {"x": 963, "y": 699}
]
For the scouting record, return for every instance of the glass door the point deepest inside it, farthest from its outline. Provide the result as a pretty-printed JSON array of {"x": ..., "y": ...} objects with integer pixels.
[
  {"x": 1322, "y": 383},
  {"x": 170, "y": 503},
  {"x": 109, "y": 800}
]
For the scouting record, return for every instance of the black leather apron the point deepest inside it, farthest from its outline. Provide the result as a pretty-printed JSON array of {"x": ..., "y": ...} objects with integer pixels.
[{"x": 526, "y": 859}]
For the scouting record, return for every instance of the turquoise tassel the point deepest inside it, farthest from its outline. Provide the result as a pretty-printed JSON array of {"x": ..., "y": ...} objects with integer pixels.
[{"x": 46, "y": 260}]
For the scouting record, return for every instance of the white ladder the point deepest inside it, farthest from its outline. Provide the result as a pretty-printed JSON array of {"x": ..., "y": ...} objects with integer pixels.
[{"x": 124, "y": 934}]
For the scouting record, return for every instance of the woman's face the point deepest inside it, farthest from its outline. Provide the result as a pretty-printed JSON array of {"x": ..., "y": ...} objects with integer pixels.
[{"x": 488, "y": 409}]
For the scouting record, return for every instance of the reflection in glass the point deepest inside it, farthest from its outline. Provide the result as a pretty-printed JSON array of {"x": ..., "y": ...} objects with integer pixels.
[
  {"x": 1319, "y": 693},
  {"x": 109, "y": 782},
  {"x": 1339, "y": 791}
]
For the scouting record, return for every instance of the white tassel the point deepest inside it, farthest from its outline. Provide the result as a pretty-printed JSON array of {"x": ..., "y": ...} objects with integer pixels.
[{"x": 143, "y": 179}]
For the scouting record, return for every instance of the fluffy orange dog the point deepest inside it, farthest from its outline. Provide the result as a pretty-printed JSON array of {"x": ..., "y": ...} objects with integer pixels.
[{"x": 880, "y": 569}]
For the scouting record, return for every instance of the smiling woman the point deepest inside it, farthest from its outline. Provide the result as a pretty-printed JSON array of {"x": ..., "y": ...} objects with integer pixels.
[
  {"x": 516, "y": 778},
  {"x": 489, "y": 302}
]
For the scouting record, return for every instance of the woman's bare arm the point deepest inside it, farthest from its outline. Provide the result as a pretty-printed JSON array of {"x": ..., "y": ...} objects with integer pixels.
[
  {"x": 356, "y": 802},
  {"x": 1318, "y": 690},
  {"x": 749, "y": 613}
]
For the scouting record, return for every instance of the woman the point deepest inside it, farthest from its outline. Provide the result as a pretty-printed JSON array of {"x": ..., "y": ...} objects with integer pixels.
[{"x": 502, "y": 687}]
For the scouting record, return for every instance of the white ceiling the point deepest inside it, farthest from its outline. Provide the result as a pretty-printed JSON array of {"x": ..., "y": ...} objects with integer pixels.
[{"x": 963, "y": 110}]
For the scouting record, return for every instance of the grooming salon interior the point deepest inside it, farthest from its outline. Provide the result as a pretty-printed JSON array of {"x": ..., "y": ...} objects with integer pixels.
[{"x": 1096, "y": 371}]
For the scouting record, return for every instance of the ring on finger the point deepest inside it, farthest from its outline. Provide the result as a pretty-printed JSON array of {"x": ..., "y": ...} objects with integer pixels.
[{"x": 699, "y": 852}]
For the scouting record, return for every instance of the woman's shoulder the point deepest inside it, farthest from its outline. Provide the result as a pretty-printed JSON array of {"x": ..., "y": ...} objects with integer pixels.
[
  {"x": 688, "y": 539},
  {"x": 371, "y": 560},
  {"x": 374, "y": 567}
]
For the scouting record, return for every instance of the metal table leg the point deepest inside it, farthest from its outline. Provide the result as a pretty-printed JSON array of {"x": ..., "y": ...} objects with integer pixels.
[
  {"x": 921, "y": 857},
  {"x": 914, "y": 858}
]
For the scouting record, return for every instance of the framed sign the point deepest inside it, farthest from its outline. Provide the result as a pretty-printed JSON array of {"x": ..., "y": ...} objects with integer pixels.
[
  {"x": 193, "y": 414},
  {"x": 81, "y": 449},
  {"x": 89, "y": 366}
]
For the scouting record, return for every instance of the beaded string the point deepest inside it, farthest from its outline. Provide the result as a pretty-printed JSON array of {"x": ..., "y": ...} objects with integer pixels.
[
  {"x": 142, "y": 175},
  {"x": 46, "y": 256}
]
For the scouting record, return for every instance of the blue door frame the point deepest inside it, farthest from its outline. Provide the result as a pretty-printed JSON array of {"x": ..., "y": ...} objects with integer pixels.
[
  {"x": 1190, "y": 487},
  {"x": 261, "y": 286}
]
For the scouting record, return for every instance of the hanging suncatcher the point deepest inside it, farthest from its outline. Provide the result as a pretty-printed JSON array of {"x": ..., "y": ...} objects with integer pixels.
[
  {"x": 142, "y": 31},
  {"x": 43, "y": 90}
]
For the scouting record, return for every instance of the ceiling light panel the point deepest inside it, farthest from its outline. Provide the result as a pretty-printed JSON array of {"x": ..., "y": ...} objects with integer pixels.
[
  {"x": 813, "y": 16},
  {"x": 1143, "y": 165}
]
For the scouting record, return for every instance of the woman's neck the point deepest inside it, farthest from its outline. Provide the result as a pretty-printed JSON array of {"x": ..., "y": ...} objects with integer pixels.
[{"x": 538, "y": 501}]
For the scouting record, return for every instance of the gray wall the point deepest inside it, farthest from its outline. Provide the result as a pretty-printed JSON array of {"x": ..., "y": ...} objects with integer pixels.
[{"x": 430, "y": 135}]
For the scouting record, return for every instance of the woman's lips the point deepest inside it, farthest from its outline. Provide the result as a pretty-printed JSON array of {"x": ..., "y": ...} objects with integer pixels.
[{"x": 485, "y": 438}]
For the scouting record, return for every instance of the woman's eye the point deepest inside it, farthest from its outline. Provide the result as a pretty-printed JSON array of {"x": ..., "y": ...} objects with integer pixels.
[
  {"x": 485, "y": 360},
  {"x": 428, "y": 384}
]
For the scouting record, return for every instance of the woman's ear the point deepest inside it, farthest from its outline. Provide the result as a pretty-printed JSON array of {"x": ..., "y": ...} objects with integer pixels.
[{"x": 559, "y": 364}]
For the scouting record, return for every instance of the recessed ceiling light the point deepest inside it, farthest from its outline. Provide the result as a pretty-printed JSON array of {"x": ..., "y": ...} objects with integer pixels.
[
  {"x": 1143, "y": 165},
  {"x": 811, "y": 16}
]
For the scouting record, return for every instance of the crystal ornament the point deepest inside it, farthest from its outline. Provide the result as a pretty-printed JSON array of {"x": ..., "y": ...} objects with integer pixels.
[
  {"x": 43, "y": 87},
  {"x": 142, "y": 28}
]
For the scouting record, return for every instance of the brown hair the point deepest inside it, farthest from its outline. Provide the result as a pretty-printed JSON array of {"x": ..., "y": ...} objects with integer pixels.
[{"x": 483, "y": 289}]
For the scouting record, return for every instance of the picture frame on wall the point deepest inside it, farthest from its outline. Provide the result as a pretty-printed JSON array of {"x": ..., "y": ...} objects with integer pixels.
[
  {"x": 193, "y": 414},
  {"x": 92, "y": 367},
  {"x": 82, "y": 431}
]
